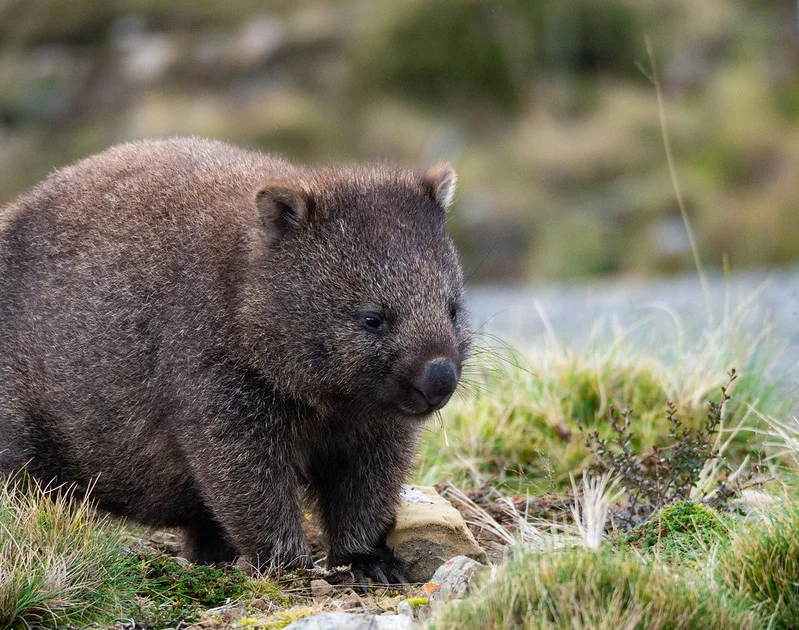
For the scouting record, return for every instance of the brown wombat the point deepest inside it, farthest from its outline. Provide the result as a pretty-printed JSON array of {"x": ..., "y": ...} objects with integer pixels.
[{"x": 203, "y": 332}]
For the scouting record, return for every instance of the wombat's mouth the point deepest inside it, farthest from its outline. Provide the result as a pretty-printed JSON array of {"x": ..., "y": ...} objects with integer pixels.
[{"x": 415, "y": 404}]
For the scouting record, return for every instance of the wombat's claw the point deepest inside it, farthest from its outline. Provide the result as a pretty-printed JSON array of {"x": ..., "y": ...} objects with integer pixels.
[
  {"x": 380, "y": 577},
  {"x": 397, "y": 576},
  {"x": 360, "y": 581},
  {"x": 385, "y": 573}
]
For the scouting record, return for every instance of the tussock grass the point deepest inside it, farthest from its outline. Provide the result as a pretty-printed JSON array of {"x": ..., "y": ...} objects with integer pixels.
[
  {"x": 762, "y": 564},
  {"x": 60, "y": 562},
  {"x": 577, "y": 588}
]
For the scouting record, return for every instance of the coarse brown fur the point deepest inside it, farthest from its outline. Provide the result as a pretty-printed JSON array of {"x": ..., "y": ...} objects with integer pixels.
[{"x": 203, "y": 332}]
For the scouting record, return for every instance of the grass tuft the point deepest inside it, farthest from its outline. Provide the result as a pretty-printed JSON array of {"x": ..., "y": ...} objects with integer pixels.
[
  {"x": 762, "y": 564},
  {"x": 60, "y": 562},
  {"x": 577, "y": 588}
]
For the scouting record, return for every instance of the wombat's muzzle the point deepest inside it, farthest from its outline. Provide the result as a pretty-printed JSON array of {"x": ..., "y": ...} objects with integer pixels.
[{"x": 436, "y": 382}]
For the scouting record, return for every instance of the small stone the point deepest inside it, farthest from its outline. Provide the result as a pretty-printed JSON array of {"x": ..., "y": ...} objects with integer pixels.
[
  {"x": 427, "y": 532},
  {"x": 453, "y": 578},
  {"x": 320, "y": 588},
  {"x": 263, "y": 604},
  {"x": 348, "y": 621},
  {"x": 405, "y": 608}
]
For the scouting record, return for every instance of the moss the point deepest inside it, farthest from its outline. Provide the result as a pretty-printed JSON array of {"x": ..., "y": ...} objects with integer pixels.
[
  {"x": 682, "y": 530},
  {"x": 174, "y": 592},
  {"x": 199, "y": 585}
]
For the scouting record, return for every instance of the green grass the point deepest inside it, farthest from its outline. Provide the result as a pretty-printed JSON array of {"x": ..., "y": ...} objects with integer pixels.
[
  {"x": 63, "y": 563},
  {"x": 688, "y": 566},
  {"x": 518, "y": 421},
  {"x": 599, "y": 590},
  {"x": 60, "y": 562},
  {"x": 762, "y": 565}
]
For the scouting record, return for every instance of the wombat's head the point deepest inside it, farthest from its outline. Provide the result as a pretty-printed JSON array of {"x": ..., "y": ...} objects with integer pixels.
[{"x": 360, "y": 302}]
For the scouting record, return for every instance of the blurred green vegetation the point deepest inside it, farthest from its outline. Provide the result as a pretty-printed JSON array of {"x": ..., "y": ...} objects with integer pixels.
[{"x": 544, "y": 108}]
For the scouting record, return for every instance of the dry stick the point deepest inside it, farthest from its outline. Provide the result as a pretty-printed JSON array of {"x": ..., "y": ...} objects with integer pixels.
[{"x": 675, "y": 182}]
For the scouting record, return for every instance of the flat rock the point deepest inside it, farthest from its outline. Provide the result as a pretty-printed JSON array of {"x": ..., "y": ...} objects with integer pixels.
[
  {"x": 428, "y": 531},
  {"x": 321, "y": 588},
  {"x": 452, "y": 580},
  {"x": 349, "y": 621}
]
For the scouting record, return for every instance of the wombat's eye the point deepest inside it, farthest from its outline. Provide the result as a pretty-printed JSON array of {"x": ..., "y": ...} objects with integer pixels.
[{"x": 372, "y": 321}]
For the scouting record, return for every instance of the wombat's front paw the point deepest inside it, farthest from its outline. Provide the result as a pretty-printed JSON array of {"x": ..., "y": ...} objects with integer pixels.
[
  {"x": 288, "y": 558},
  {"x": 381, "y": 566}
]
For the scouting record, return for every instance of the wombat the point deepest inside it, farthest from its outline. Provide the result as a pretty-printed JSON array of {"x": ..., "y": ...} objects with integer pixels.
[{"x": 204, "y": 335}]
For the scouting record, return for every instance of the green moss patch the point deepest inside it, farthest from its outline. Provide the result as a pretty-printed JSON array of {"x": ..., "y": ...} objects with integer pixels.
[{"x": 680, "y": 531}]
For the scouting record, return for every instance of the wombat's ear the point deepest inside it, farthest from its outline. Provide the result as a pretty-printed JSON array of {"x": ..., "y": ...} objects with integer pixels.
[
  {"x": 282, "y": 207},
  {"x": 440, "y": 180}
]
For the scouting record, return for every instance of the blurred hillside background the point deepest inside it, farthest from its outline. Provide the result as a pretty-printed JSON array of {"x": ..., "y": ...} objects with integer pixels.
[{"x": 541, "y": 105}]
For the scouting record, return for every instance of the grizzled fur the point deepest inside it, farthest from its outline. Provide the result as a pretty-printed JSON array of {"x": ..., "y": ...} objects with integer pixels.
[{"x": 182, "y": 325}]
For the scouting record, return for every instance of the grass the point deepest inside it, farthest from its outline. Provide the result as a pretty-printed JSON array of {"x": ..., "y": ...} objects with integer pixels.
[
  {"x": 578, "y": 588},
  {"x": 687, "y": 566},
  {"x": 60, "y": 562},
  {"x": 518, "y": 422},
  {"x": 63, "y": 563},
  {"x": 762, "y": 565}
]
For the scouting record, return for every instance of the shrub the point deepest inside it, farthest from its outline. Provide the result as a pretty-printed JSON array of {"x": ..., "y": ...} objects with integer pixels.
[{"x": 666, "y": 474}]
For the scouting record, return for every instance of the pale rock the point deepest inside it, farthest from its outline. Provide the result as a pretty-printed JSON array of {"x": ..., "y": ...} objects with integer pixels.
[
  {"x": 349, "y": 621},
  {"x": 427, "y": 532},
  {"x": 405, "y": 609},
  {"x": 453, "y": 578}
]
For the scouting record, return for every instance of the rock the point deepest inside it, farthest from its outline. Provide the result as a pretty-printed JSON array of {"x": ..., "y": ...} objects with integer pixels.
[
  {"x": 320, "y": 588},
  {"x": 348, "y": 621},
  {"x": 405, "y": 609},
  {"x": 453, "y": 578},
  {"x": 428, "y": 531}
]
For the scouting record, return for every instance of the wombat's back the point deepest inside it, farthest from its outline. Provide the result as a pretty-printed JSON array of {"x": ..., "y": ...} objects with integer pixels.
[{"x": 114, "y": 273}]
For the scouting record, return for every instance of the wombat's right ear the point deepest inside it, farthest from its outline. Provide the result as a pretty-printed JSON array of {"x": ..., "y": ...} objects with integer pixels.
[
  {"x": 440, "y": 181},
  {"x": 282, "y": 208}
]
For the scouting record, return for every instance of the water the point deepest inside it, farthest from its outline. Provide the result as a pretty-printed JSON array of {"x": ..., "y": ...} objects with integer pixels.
[{"x": 652, "y": 313}]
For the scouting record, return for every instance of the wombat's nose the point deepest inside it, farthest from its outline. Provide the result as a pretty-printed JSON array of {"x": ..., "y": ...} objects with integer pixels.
[{"x": 437, "y": 381}]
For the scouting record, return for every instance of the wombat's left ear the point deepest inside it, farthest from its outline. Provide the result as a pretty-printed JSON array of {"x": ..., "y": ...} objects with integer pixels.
[
  {"x": 282, "y": 207},
  {"x": 440, "y": 182}
]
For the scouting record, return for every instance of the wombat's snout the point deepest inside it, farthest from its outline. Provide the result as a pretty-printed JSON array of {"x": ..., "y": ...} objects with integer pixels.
[{"x": 437, "y": 381}]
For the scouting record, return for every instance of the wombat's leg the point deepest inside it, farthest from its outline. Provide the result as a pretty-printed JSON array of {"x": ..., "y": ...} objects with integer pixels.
[
  {"x": 206, "y": 543},
  {"x": 357, "y": 489},
  {"x": 12, "y": 457},
  {"x": 248, "y": 482}
]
